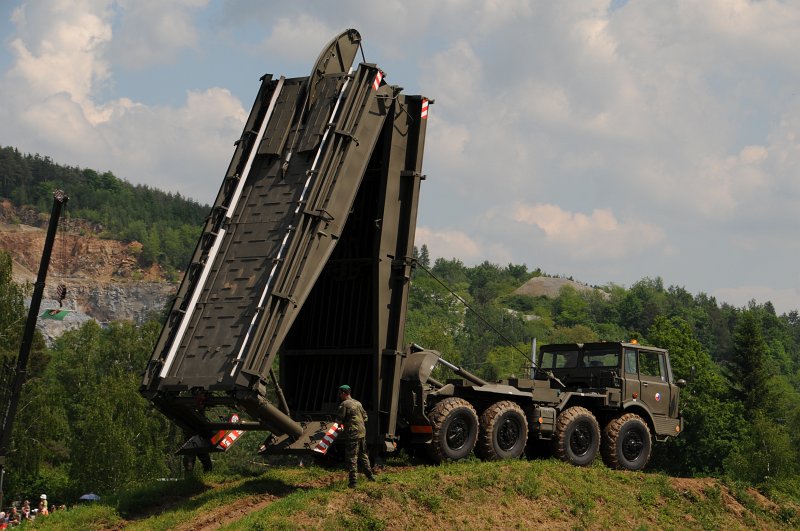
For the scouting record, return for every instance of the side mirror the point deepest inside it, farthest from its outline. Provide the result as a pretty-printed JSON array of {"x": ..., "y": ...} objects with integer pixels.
[{"x": 681, "y": 383}]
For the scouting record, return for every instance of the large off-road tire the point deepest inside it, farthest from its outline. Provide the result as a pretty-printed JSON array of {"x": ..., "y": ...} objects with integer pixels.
[
  {"x": 455, "y": 430},
  {"x": 627, "y": 443},
  {"x": 577, "y": 436},
  {"x": 503, "y": 432}
]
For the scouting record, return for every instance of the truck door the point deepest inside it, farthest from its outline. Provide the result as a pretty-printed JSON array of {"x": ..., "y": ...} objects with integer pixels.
[
  {"x": 631, "y": 375},
  {"x": 654, "y": 385}
]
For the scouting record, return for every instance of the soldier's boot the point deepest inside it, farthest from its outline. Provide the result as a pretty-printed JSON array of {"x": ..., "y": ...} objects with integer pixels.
[
  {"x": 370, "y": 475},
  {"x": 352, "y": 480}
]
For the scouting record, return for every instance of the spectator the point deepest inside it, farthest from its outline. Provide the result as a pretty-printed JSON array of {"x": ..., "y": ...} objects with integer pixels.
[
  {"x": 13, "y": 516},
  {"x": 26, "y": 510},
  {"x": 43, "y": 505}
]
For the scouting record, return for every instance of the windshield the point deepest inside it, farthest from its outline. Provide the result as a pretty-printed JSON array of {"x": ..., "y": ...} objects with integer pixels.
[
  {"x": 569, "y": 359},
  {"x": 601, "y": 358},
  {"x": 563, "y": 359}
]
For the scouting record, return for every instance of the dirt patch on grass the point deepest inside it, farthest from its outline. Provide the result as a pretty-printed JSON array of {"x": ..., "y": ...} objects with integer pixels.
[
  {"x": 703, "y": 487},
  {"x": 229, "y": 513}
]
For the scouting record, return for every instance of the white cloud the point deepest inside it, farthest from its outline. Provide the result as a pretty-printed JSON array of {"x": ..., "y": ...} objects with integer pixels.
[
  {"x": 449, "y": 243},
  {"x": 153, "y": 32},
  {"x": 299, "y": 38},
  {"x": 670, "y": 126},
  {"x": 598, "y": 236},
  {"x": 61, "y": 52},
  {"x": 192, "y": 147},
  {"x": 51, "y": 103}
]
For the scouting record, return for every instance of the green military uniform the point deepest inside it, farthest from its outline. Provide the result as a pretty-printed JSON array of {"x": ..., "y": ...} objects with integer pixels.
[{"x": 352, "y": 415}]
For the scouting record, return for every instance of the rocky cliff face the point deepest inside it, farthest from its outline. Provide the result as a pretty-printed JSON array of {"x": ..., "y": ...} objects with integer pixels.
[{"x": 104, "y": 281}]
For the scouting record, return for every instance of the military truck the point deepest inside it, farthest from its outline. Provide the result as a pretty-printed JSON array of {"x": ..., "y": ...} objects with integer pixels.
[
  {"x": 299, "y": 283},
  {"x": 611, "y": 397}
]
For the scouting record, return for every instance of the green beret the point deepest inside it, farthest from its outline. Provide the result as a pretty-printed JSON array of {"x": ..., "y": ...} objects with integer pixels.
[{"x": 344, "y": 388}]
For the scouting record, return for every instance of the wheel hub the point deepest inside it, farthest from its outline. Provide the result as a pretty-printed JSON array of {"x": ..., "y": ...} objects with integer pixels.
[
  {"x": 632, "y": 445},
  {"x": 457, "y": 433},
  {"x": 508, "y": 434},
  {"x": 581, "y": 440}
]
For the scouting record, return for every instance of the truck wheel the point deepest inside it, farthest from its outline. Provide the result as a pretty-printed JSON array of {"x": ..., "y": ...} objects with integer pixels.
[
  {"x": 626, "y": 443},
  {"x": 503, "y": 432},
  {"x": 576, "y": 438},
  {"x": 455, "y": 430}
]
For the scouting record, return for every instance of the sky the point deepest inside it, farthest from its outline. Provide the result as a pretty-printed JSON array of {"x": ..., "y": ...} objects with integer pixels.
[{"x": 606, "y": 141}]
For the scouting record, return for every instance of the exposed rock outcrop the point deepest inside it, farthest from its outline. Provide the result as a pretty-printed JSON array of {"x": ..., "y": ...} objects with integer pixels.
[
  {"x": 550, "y": 287},
  {"x": 103, "y": 278}
]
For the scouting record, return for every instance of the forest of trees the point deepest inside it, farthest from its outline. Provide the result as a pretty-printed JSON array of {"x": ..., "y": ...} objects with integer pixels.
[
  {"x": 83, "y": 426},
  {"x": 167, "y": 225}
]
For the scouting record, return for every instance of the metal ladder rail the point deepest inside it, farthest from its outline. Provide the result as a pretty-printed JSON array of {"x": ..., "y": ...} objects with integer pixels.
[
  {"x": 210, "y": 260},
  {"x": 206, "y": 334},
  {"x": 272, "y": 331},
  {"x": 200, "y": 254},
  {"x": 281, "y": 252}
]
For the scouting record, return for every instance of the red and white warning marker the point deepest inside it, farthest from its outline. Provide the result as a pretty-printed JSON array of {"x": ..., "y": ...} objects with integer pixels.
[
  {"x": 378, "y": 78},
  {"x": 327, "y": 440},
  {"x": 224, "y": 439},
  {"x": 424, "y": 108}
]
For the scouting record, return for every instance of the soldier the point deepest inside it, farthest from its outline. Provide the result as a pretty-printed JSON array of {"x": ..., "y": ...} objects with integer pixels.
[{"x": 352, "y": 415}]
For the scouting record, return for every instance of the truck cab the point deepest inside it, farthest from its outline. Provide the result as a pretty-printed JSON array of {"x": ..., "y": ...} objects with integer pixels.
[{"x": 615, "y": 396}]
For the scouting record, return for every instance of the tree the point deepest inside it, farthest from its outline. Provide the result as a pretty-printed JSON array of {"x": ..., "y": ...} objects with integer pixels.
[
  {"x": 766, "y": 454},
  {"x": 12, "y": 308},
  {"x": 712, "y": 425},
  {"x": 507, "y": 361},
  {"x": 85, "y": 419},
  {"x": 570, "y": 308},
  {"x": 424, "y": 256},
  {"x": 748, "y": 370}
]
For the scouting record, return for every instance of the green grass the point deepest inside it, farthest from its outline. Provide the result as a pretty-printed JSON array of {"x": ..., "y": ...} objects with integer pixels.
[{"x": 468, "y": 494}]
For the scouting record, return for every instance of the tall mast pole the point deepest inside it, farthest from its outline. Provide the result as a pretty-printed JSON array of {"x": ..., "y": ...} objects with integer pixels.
[{"x": 21, "y": 369}]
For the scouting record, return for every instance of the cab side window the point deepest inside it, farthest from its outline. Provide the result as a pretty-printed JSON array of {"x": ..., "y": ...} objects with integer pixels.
[
  {"x": 630, "y": 361},
  {"x": 651, "y": 366}
]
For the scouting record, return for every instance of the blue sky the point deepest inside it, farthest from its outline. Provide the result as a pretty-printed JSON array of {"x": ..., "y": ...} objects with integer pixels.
[{"x": 603, "y": 140}]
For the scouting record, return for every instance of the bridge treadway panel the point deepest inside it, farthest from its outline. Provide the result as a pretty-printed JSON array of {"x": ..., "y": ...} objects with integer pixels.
[{"x": 266, "y": 240}]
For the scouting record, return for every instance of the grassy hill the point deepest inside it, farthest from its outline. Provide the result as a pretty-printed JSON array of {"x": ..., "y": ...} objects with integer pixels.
[{"x": 470, "y": 494}]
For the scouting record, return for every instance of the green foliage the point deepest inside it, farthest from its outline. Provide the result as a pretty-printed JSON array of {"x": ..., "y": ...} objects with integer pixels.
[
  {"x": 83, "y": 425},
  {"x": 571, "y": 308},
  {"x": 748, "y": 372},
  {"x": 712, "y": 423},
  {"x": 12, "y": 308},
  {"x": 766, "y": 454},
  {"x": 167, "y": 224}
]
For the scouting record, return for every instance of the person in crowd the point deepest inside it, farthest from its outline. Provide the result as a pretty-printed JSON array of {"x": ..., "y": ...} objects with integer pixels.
[
  {"x": 43, "y": 505},
  {"x": 26, "y": 510},
  {"x": 13, "y": 516}
]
